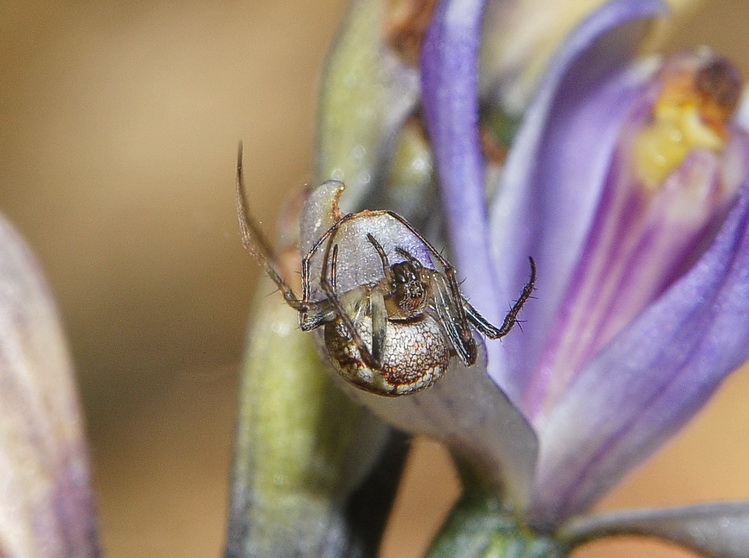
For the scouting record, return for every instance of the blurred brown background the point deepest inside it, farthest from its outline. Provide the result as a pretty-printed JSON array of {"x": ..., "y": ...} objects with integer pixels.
[{"x": 120, "y": 122}]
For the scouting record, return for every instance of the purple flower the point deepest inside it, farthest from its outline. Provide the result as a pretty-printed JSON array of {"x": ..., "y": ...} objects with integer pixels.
[
  {"x": 627, "y": 183},
  {"x": 46, "y": 503}
]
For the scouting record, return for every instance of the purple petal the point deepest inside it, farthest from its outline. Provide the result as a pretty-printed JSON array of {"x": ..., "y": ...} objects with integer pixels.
[
  {"x": 449, "y": 66},
  {"x": 46, "y": 502},
  {"x": 480, "y": 425},
  {"x": 647, "y": 232},
  {"x": 651, "y": 379},
  {"x": 711, "y": 529},
  {"x": 554, "y": 175}
]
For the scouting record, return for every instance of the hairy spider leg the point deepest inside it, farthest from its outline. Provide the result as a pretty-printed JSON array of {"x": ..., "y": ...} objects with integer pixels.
[
  {"x": 473, "y": 315},
  {"x": 334, "y": 268},
  {"x": 377, "y": 309},
  {"x": 386, "y": 269},
  {"x": 256, "y": 244},
  {"x": 376, "y": 302},
  {"x": 510, "y": 320},
  {"x": 466, "y": 338},
  {"x": 448, "y": 311},
  {"x": 332, "y": 296},
  {"x": 307, "y": 260}
]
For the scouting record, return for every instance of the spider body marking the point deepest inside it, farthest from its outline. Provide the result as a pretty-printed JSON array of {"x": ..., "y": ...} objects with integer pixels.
[{"x": 395, "y": 329}]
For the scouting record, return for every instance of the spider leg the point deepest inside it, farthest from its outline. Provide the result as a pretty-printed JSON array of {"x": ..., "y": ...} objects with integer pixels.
[
  {"x": 332, "y": 297},
  {"x": 307, "y": 259},
  {"x": 377, "y": 308},
  {"x": 325, "y": 310},
  {"x": 450, "y": 315},
  {"x": 480, "y": 323},
  {"x": 256, "y": 244},
  {"x": 510, "y": 320},
  {"x": 334, "y": 267},
  {"x": 383, "y": 257},
  {"x": 464, "y": 330},
  {"x": 378, "y": 312},
  {"x": 440, "y": 258},
  {"x": 322, "y": 312},
  {"x": 406, "y": 254}
]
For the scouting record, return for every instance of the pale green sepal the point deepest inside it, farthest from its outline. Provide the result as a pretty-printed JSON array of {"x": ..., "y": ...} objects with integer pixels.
[
  {"x": 366, "y": 94},
  {"x": 301, "y": 448},
  {"x": 479, "y": 527},
  {"x": 410, "y": 187}
]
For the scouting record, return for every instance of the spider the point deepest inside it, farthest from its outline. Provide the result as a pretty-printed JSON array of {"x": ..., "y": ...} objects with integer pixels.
[{"x": 394, "y": 335}]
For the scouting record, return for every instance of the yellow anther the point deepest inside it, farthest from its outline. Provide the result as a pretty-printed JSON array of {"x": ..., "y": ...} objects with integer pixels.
[{"x": 697, "y": 100}]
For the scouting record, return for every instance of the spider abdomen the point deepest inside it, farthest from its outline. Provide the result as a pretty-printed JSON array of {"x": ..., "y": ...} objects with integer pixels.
[{"x": 415, "y": 355}]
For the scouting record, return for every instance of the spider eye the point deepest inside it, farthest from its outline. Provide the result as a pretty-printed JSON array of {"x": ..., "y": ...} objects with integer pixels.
[
  {"x": 404, "y": 273},
  {"x": 408, "y": 292}
]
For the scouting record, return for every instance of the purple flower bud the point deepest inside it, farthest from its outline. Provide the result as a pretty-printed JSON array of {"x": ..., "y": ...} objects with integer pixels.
[{"x": 46, "y": 502}]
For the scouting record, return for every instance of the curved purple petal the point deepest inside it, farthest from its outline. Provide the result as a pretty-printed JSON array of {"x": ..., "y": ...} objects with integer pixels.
[
  {"x": 449, "y": 79},
  {"x": 650, "y": 380},
  {"x": 720, "y": 529},
  {"x": 554, "y": 175}
]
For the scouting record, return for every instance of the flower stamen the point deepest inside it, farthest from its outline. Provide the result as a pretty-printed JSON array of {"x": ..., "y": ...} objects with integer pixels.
[{"x": 696, "y": 102}]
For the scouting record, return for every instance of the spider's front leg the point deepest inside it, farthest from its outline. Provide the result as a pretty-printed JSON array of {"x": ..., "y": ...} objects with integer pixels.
[
  {"x": 510, "y": 320},
  {"x": 448, "y": 311},
  {"x": 316, "y": 314},
  {"x": 343, "y": 311},
  {"x": 256, "y": 244},
  {"x": 379, "y": 315}
]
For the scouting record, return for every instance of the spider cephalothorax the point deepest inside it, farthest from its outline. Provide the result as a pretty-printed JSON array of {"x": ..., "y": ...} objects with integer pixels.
[{"x": 391, "y": 330}]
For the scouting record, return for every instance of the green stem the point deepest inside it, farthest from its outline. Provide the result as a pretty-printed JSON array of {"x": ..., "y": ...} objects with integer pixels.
[{"x": 479, "y": 527}]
